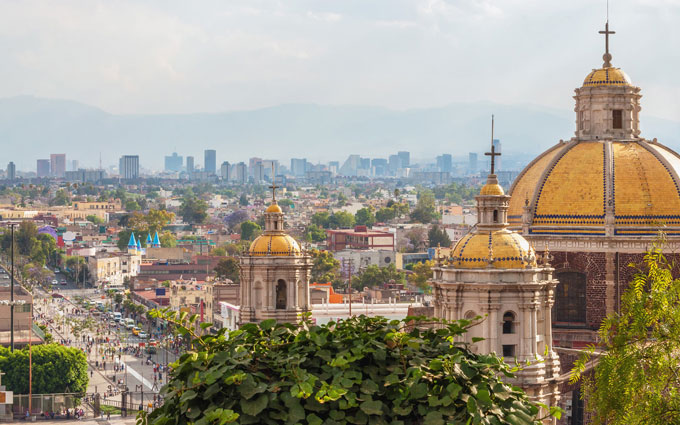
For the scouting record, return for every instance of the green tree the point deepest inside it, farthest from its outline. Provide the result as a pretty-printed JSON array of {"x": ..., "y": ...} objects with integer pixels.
[
  {"x": 249, "y": 230},
  {"x": 132, "y": 205},
  {"x": 438, "y": 237},
  {"x": 62, "y": 197},
  {"x": 341, "y": 220},
  {"x": 168, "y": 240},
  {"x": 219, "y": 252},
  {"x": 243, "y": 200},
  {"x": 228, "y": 268},
  {"x": 315, "y": 233},
  {"x": 360, "y": 370},
  {"x": 636, "y": 378},
  {"x": 193, "y": 210},
  {"x": 421, "y": 273},
  {"x": 123, "y": 239},
  {"x": 365, "y": 217},
  {"x": 425, "y": 210},
  {"x": 26, "y": 237},
  {"x": 321, "y": 219},
  {"x": 94, "y": 219},
  {"x": 56, "y": 369},
  {"x": 325, "y": 268},
  {"x": 373, "y": 276},
  {"x": 386, "y": 214}
]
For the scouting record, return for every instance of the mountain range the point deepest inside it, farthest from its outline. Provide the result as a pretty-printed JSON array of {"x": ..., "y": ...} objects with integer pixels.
[{"x": 32, "y": 128}]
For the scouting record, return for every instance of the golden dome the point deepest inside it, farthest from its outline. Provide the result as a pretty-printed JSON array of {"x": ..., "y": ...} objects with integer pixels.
[
  {"x": 606, "y": 77},
  {"x": 274, "y": 244},
  {"x": 492, "y": 189},
  {"x": 509, "y": 250},
  {"x": 570, "y": 185},
  {"x": 274, "y": 208}
]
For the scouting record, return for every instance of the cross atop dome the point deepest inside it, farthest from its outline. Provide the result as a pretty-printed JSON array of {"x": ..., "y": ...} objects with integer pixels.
[
  {"x": 273, "y": 187},
  {"x": 493, "y": 152},
  {"x": 607, "y": 56}
]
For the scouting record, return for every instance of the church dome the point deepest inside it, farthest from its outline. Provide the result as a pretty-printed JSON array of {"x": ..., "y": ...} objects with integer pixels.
[
  {"x": 492, "y": 189},
  {"x": 274, "y": 208},
  {"x": 274, "y": 244},
  {"x": 577, "y": 187},
  {"x": 606, "y": 77},
  {"x": 506, "y": 250}
]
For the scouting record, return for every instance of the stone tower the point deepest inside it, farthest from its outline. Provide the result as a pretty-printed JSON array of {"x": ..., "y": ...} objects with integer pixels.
[
  {"x": 493, "y": 273},
  {"x": 275, "y": 274}
]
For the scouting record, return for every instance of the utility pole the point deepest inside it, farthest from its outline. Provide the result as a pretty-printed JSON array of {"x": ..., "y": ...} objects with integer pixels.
[
  {"x": 11, "y": 294},
  {"x": 347, "y": 264}
]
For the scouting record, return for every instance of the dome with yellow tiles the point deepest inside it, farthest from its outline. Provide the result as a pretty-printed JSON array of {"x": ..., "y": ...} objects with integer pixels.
[
  {"x": 502, "y": 249},
  {"x": 274, "y": 208},
  {"x": 492, "y": 189},
  {"x": 606, "y": 77},
  {"x": 580, "y": 187},
  {"x": 274, "y": 244}
]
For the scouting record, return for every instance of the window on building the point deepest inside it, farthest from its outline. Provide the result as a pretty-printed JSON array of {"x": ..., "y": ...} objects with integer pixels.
[
  {"x": 508, "y": 351},
  {"x": 617, "y": 119},
  {"x": 281, "y": 295},
  {"x": 495, "y": 216},
  {"x": 509, "y": 322},
  {"x": 581, "y": 120},
  {"x": 570, "y": 298}
]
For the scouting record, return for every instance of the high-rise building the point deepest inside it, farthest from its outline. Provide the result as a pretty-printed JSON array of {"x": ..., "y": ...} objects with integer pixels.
[
  {"x": 174, "y": 162},
  {"x": 128, "y": 167},
  {"x": 190, "y": 165},
  {"x": 405, "y": 158},
  {"x": 267, "y": 166},
  {"x": 444, "y": 162},
  {"x": 472, "y": 163},
  {"x": 298, "y": 166},
  {"x": 258, "y": 172},
  {"x": 58, "y": 164},
  {"x": 11, "y": 171},
  {"x": 74, "y": 165},
  {"x": 225, "y": 171},
  {"x": 251, "y": 165},
  {"x": 43, "y": 167},
  {"x": 497, "y": 148},
  {"x": 210, "y": 161},
  {"x": 379, "y": 166},
  {"x": 351, "y": 165},
  {"x": 395, "y": 163},
  {"x": 240, "y": 172}
]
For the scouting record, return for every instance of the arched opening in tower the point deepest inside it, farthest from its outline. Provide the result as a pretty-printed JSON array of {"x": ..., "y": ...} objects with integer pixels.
[{"x": 281, "y": 295}]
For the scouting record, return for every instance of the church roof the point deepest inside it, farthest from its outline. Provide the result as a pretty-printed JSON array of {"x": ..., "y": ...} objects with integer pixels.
[
  {"x": 606, "y": 77},
  {"x": 570, "y": 186},
  {"x": 277, "y": 244},
  {"x": 502, "y": 249}
]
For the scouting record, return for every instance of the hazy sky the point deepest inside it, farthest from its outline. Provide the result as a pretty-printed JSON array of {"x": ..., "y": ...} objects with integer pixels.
[{"x": 132, "y": 56}]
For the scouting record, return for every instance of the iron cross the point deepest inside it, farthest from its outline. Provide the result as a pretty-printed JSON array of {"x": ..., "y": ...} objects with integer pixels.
[
  {"x": 273, "y": 187},
  {"x": 493, "y": 154},
  {"x": 607, "y": 56}
]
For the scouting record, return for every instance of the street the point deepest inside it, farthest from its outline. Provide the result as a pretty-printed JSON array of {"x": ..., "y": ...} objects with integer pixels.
[{"x": 117, "y": 359}]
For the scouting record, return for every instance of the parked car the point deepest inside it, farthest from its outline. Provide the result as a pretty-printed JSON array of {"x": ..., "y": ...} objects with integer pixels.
[
  {"x": 143, "y": 335},
  {"x": 55, "y": 282}
]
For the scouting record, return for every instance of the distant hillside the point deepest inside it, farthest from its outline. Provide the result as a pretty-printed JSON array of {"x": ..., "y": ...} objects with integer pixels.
[{"x": 32, "y": 127}]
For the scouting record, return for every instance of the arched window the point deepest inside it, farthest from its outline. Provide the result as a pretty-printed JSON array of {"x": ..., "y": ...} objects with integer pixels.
[
  {"x": 509, "y": 322},
  {"x": 470, "y": 315},
  {"x": 495, "y": 216},
  {"x": 570, "y": 298},
  {"x": 617, "y": 119},
  {"x": 281, "y": 295}
]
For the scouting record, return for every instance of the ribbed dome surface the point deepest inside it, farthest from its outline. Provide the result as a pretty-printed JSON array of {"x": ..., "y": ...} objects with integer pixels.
[
  {"x": 278, "y": 244},
  {"x": 570, "y": 185},
  {"x": 606, "y": 77},
  {"x": 509, "y": 250}
]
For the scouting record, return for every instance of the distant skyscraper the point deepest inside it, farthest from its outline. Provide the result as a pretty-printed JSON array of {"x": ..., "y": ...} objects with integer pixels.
[
  {"x": 74, "y": 165},
  {"x": 395, "y": 163},
  {"x": 251, "y": 165},
  {"x": 445, "y": 163},
  {"x": 405, "y": 159},
  {"x": 379, "y": 166},
  {"x": 267, "y": 165},
  {"x": 351, "y": 165},
  {"x": 11, "y": 171},
  {"x": 43, "y": 167},
  {"x": 497, "y": 148},
  {"x": 190, "y": 165},
  {"x": 225, "y": 171},
  {"x": 365, "y": 163},
  {"x": 298, "y": 166},
  {"x": 241, "y": 172},
  {"x": 58, "y": 164},
  {"x": 128, "y": 167},
  {"x": 472, "y": 163},
  {"x": 174, "y": 162},
  {"x": 258, "y": 172},
  {"x": 210, "y": 161}
]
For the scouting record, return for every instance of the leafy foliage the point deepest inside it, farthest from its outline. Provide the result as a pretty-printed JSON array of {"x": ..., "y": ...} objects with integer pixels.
[
  {"x": 325, "y": 267},
  {"x": 421, "y": 273},
  {"x": 356, "y": 371},
  {"x": 438, "y": 237},
  {"x": 373, "y": 275},
  {"x": 249, "y": 230},
  {"x": 56, "y": 369},
  {"x": 228, "y": 268},
  {"x": 636, "y": 379},
  {"x": 365, "y": 217},
  {"x": 193, "y": 210},
  {"x": 425, "y": 211},
  {"x": 315, "y": 233}
]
